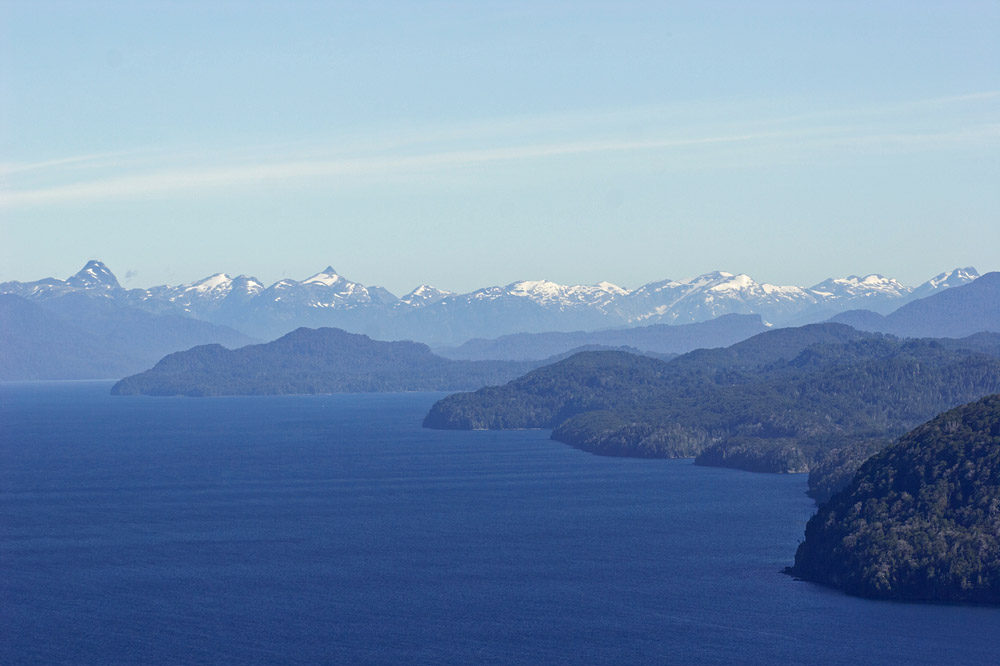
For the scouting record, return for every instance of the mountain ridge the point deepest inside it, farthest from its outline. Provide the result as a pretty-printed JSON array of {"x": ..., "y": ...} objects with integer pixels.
[
  {"x": 445, "y": 318},
  {"x": 657, "y": 338},
  {"x": 955, "y": 312},
  {"x": 79, "y": 337}
]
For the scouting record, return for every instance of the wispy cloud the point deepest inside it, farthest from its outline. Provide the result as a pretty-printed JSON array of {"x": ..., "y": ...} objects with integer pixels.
[
  {"x": 178, "y": 175},
  {"x": 95, "y": 160},
  {"x": 208, "y": 178}
]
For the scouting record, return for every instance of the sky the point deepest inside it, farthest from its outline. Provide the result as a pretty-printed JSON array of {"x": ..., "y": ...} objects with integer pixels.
[{"x": 469, "y": 144}]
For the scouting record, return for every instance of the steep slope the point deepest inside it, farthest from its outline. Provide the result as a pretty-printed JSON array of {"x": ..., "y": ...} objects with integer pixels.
[
  {"x": 920, "y": 520},
  {"x": 94, "y": 275}
]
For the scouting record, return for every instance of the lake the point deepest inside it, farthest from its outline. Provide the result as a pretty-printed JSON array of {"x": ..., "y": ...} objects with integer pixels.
[{"x": 335, "y": 530}]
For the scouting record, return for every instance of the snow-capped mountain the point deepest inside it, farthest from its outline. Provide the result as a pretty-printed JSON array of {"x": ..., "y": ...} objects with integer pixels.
[
  {"x": 325, "y": 289},
  {"x": 424, "y": 295},
  {"x": 714, "y": 294},
  {"x": 551, "y": 294},
  {"x": 95, "y": 275},
  {"x": 206, "y": 293},
  {"x": 871, "y": 292},
  {"x": 443, "y": 317},
  {"x": 946, "y": 280},
  {"x": 244, "y": 287}
]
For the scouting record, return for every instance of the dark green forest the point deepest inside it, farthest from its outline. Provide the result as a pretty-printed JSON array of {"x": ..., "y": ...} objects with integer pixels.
[{"x": 818, "y": 398}]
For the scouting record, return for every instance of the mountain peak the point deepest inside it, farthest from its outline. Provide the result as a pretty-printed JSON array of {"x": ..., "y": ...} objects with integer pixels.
[
  {"x": 425, "y": 294},
  {"x": 94, "y": 274},
  {"x": 703, "y": 279},
  {"x": 868, "y": 286},
  {"x": 328, "y": 277},
  {"x": 957, "y": 276},
  {"x": 427, "y": 289},
  {"x": 217, "y": 282},
  {"x": 946, "y": 280},
  {"x": 611, "y": 287},
  {"x": 729, "y": 282}
]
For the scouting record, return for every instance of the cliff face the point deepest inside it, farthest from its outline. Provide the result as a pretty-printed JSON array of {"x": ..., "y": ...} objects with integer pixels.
[{"x": 920, "y": 520}]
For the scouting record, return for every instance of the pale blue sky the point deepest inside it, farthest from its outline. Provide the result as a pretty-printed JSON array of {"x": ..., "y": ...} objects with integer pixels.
[{"x": 475, "y": 143}]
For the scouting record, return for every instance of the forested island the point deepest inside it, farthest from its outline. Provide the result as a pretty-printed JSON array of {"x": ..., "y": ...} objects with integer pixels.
[
  {"x": 819, "y": 398},
  {"x": 920, "y": 520},
  {"x": 324, "y": 360}
]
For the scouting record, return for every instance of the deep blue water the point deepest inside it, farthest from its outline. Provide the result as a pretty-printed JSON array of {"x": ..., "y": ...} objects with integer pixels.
[{"x": 333, "y": 529}]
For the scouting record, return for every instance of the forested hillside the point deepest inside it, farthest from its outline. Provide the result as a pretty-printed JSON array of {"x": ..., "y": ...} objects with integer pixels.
[
  {"x": 921, "y": 520},
  {"x": 325, "y": 360},
  {"x": 790, "y": 400}
]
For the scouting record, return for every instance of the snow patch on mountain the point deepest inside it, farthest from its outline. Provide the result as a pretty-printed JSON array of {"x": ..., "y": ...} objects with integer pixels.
[
  {"x": 217, "y": 282},
  {"x": 550, "y": 293},
  {"x": 246, "y": 285},
  {"x": 329, "y": 299},
  {"x": 327, "y": 277},
  {"x": 869, "y": 286},
  {"x": 425, "y": 295},
  {"x": 94, "y": 274},
  {"x": 946, "y": 280}
]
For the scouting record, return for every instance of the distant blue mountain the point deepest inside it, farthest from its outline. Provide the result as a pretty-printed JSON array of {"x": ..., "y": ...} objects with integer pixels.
[
  {"x": 955, "y": 313},
  {"x": 76, "y": 336},
  {"x": 656, "y": 338}
]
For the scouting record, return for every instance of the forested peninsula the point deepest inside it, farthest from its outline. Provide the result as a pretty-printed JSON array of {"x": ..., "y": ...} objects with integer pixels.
[
  {"x": 920, "y": 520},
  {"x": 819, "y": 398},
  {"x": 324, "y": 360}
]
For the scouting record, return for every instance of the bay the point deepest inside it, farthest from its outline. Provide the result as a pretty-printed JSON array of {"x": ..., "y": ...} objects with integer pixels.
[{"x": 333, "y": 529}]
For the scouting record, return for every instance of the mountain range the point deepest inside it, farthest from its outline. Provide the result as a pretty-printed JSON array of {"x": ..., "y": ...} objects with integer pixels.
[
  {"x": 443, "y": 318},
  {"x": 954, "y": 313}
]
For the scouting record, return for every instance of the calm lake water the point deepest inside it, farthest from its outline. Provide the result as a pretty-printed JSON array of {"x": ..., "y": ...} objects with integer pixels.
[{"x": 334, "y": 530}]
